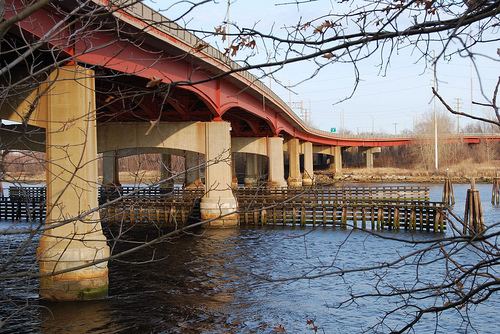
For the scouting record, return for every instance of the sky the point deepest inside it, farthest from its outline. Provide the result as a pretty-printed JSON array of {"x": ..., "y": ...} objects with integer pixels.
[{"x": 386, "y": 102}]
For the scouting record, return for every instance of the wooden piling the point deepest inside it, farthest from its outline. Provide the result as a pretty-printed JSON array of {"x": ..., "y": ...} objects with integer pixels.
[
  {"x": 473, "y": 216},
  {"x": 448, "y": 195},
  {"x": 495, "y": 190}
]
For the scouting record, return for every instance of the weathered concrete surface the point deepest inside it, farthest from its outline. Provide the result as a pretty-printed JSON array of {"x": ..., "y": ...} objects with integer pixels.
[
  {"x": 219, "y": 202},
  {"x": 110, "y": 170},
  {"x": 71, "y": 190},
  {"x": 254, "y": 145},
  {"x": 276, "y": 170},
  {"x": 189, "y": 136},
  {"x": 308, "y": 176},
  {"x": 294, "y": 178},
  {"x": 336, "y": 166},
  {"x": 369, "y": 152},
  {"x": 251, "y": 170},
  {"x": 192, "y": 177}
]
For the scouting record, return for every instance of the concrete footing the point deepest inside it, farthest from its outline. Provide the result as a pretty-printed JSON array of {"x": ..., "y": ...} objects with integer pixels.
[
  {"x": 222, "y": 210},
  {"x": 88, "y": 283}
]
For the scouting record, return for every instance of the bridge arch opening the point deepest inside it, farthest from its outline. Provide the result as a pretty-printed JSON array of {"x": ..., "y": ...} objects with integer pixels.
[{"x": 244, "y": 123}]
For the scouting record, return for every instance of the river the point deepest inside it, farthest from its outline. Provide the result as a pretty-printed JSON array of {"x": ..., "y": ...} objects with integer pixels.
[{"x": 242, "y": 281}]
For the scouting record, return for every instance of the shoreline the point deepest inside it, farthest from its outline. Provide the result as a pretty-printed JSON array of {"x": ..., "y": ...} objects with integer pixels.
[{"x": 376, "y": 175}]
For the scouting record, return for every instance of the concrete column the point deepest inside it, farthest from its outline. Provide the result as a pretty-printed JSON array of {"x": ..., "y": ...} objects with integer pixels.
[
  {"x": 110, "y": 170},
  {"x": 308, "y": 177},
  {"x": 251, "y": 170},
  {"x": 219, "y": 199},
  {"x": 369, "y": 159},
  {"x": 166, "y": 172},
  {"x": 369, "y": 156},
  {"x": 261, "y": 167},
  {"x": 71, "y": 152},
  {"x": 336, "y": 166},
  {"x": 276, "y": 165},
  {"x": 294, "y": 177},
  {"x": 234, "y": 180},
  {"x": 192, "y": 177}
]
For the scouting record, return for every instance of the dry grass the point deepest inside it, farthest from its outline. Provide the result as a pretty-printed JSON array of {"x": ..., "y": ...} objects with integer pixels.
[{"x": 463, "y": 172}]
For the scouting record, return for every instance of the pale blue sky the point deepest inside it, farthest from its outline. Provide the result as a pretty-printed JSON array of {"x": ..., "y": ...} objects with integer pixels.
[{"x": 401, "y": 96}]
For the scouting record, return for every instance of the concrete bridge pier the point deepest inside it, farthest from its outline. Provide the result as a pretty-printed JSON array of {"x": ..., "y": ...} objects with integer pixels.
[
  {"x": 234, "y": 179},
  {"x": 251, "y": 170},
  {"x": 219, "y": 202},
  {"x": 110, "y": 169},
  {"x": 262, "y": 168},
  {"x": 369, "y": 155},
  {"x": 336, "y": 166},
  {"x": 71, "y": 146},
  {"x": 276, "y": 163},
  {"x": 294, "y": 177},
  {"x": 192, "y": 178},
  {"x": 308, "y": 176}
]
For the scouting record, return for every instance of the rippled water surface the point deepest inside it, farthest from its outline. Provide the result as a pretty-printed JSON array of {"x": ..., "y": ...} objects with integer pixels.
[{"x": 236, "y": 281}]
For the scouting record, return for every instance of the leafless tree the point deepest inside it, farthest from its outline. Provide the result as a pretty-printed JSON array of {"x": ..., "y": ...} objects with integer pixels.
[{"x": 347, "y": 35}]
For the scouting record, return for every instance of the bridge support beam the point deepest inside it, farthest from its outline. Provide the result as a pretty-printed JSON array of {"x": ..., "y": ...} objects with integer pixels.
[
  {"x": 71, "y": 147},
  {"x": 110, "y": 170},
  {"x": 219, "y": 202},
  {"x": 251, "y": 170},
  {"x": 308, "y": 176},
  {"x": 192, "y": 178},
  {"x": 166, "y": 172},
  {"x": 369, "y": 156},
  {"x": 276, "y": 163}
]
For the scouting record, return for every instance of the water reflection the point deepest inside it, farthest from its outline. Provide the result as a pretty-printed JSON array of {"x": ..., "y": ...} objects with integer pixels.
[{"x": 77, "y": 318}]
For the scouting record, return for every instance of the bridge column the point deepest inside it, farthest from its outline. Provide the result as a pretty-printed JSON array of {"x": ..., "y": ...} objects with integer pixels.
[
  {"x": 166, "y": 172},
  {"x": 294, "y": 177},
  {"x": 192, "y": 177},
  {"x": 276, "y": 163},
  {"x": 110, "y": 170},
  {"x": 308, "y": 177},
  {"x": 71, "y": 152},
  {"x": 369, "y": 155},
  {"x": 251, "y": 170},
  {"x": 234, "y": 180},
  {"x": 219, "y": 199},
  {"x": 336, "y": 166},
  {"x": 261, "y": 167}
]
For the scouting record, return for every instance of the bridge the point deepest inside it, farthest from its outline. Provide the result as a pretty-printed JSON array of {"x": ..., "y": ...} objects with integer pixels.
[{"x": 93, "y": 77}]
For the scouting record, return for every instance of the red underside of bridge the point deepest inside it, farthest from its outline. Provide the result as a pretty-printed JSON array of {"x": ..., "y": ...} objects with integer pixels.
[{"x": 249, "y": 113}]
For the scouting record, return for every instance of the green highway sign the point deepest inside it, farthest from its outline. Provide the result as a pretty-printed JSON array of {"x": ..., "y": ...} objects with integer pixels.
[{"x": 333, "y": 130}]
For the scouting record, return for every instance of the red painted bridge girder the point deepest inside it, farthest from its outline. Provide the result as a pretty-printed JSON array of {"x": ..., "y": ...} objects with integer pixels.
[{"x": 148, "y": 59}]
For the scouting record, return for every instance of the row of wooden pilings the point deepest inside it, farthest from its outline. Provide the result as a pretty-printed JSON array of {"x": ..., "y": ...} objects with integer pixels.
[
  {"x": 28, "y": 201},
  {"x": 473, "y": 222}
]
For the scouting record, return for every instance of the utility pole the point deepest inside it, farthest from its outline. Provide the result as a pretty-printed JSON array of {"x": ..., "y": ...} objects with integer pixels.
[
  {"x": 458, "y": 116},
  {"x": 436, "y": 154},
  {"x": 373, "y": 125},
  {"x": 228, "y": 10},
  {"x": 395, "y": 127}
]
